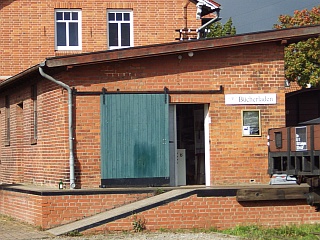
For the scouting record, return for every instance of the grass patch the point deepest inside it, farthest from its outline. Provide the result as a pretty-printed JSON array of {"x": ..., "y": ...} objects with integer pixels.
[
  {"x": 299, "y": 232},
  {"x": 74, "y": 233},
  {"x": 6, "y": 218}
]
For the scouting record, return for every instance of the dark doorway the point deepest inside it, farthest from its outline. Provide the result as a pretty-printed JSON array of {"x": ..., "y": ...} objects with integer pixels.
[{"x": 190, "y": 136}]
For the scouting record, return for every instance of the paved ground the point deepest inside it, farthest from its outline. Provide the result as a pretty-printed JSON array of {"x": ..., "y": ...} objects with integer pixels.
[{"x": 15, "y": 230}]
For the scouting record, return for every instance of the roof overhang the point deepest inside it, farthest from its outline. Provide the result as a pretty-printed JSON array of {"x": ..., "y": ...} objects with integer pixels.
[
  {"x": 284, "y": 36},
  {"x": 28, "y": 72},
  {"x": 58, "y": 64}
]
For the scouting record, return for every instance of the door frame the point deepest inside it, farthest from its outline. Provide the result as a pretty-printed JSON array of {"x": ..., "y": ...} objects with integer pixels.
[
  {"x": 207, "y": 122},
  {"x": 173, "y": 143}
]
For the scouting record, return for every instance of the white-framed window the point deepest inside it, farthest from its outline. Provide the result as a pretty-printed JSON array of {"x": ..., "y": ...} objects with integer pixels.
[
  {"x": 120, "y": 28},
  {"x": 251, "y": 123},
  {"x": 68, "y": 29}
]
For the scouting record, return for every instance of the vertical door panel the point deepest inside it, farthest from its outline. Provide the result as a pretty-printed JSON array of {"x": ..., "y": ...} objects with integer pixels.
[{"x": 134, "y": 136}]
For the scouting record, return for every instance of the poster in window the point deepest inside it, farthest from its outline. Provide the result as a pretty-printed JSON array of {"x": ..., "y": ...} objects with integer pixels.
[
  {"x": 251, "y": 123},
  {"x": 301, "y": 138}
]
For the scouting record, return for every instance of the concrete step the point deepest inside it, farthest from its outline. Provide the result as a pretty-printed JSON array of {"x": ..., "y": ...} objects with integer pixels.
[{"x": 121, "y": 212}]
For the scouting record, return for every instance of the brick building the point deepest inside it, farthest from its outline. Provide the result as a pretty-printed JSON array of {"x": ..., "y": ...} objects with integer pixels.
[
  {"x": 217, "y": 82},
  {"x": 167, "y": 114},
  {"x": 212, "y": 99},
  {"x": 62, "y": 29},
  {"x": 38, "y": 29}
]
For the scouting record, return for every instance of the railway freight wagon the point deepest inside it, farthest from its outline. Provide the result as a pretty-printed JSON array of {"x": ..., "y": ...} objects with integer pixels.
[{"x": 295, "y": 151}]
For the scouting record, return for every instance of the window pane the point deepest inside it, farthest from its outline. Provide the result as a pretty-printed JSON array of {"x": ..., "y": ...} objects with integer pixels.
[
  {"x": 59, "y": 16},
  {"x": 61, "y": 34},
  {"x": 74, "y": 16},
  {"x": 113, "y": 34},
  {"x": 119, "y": 16},
  {"x": 73, "y": 34},
  {"x": 111, "y": 16},
  {"x": 67, "y": 16},
  {"x": 126, "y": 16},
  {"x": 125, "y": 34}
]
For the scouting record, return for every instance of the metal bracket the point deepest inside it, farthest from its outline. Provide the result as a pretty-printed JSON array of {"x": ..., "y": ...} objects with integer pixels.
[
  {"x": 166, "y": 92},
  {"x": 104, "y": 91}
]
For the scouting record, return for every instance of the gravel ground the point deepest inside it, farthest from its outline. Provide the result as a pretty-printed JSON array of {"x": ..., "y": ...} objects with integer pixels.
[
  {"x": 11, "y": 229},
  {"x": 155, "y": 236}
]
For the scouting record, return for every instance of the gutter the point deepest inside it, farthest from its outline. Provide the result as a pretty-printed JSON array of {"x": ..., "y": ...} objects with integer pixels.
[
  {"x": 216, "y": 19},
  {"x": 71, "y": 151}
]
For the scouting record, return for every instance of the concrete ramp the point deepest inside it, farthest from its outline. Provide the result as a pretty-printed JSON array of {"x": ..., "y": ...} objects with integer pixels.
[{"x": 121, "y": 212}]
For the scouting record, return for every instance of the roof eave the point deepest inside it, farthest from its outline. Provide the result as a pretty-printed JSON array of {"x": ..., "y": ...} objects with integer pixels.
[
  {"x": 286, "y": 35},
  {"x": 19, "y": 76}
]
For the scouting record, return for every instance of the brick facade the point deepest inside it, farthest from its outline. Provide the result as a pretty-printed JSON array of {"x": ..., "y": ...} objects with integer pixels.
[
  {"x": 28, "y": 27},
  {"x": 187, "y": 213},
  {"x": 238, "y": 70},
  {"x": 250, "y": 66},
  {"x": 218, "y": 212},
  {"x": 54, "y": 210}
]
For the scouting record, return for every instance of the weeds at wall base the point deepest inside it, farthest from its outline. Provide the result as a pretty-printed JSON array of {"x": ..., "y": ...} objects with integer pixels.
[
  {"x": 74, "y": 233},
  {"x": 139, "y": 223}
]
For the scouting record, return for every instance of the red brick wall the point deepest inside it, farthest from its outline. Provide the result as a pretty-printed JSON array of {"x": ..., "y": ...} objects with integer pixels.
[
  {"x": 51, "y": 211},
  {"x": 24, "y": 207},
  {"x": 28, "y": 27},
  {"x": 218, "y": 212},
  {"x": 47, "y": 161},
  {"x": 234, "y": 159},
  {"x": 188, "y": 213},
  {"x": 238, "y": 70}
]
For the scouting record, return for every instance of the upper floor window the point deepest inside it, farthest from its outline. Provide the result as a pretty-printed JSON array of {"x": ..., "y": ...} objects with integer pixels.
[
  {"x": 120, "y": 29},
  {"x": 67, "y": 29}
]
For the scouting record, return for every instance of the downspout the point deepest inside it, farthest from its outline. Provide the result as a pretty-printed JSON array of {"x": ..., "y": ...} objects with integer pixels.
[
  {"x": 71, "y": 159},
  {"x": 217, "y": 18}
]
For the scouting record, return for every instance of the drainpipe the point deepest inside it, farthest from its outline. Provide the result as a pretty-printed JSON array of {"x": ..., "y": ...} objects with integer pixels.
[
  {"x": 217, "y": 18},
  {"x": 71, "y": 160}
]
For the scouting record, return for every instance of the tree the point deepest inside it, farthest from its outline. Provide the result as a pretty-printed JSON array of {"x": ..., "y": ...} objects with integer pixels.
[
  {"x": 302, "y": 59},
  {"x": 219, "y": 30}
]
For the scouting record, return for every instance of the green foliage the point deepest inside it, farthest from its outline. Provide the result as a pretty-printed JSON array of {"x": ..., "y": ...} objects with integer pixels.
[
  {"x": 159, "y": 191},
  {"x": 40, "y": 228},
  {"x": 299, "y": 18},
  {"x": 74, "y": 233},
  {"x": 219, "y": 30},
  {"x": 139, "y": 224},
  {"x": 302, "y": 59},
  {"x": 292, "y": 232},
  {"x": 163, "y": 230}
]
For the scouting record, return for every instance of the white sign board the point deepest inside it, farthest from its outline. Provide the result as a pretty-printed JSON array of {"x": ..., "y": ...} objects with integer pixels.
[{"x": 256, "y": 99}]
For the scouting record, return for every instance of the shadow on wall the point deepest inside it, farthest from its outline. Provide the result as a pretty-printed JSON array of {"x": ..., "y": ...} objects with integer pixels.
[
  {"x": 261, "y": 204},
  {"x": 4, "y": 3}
]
